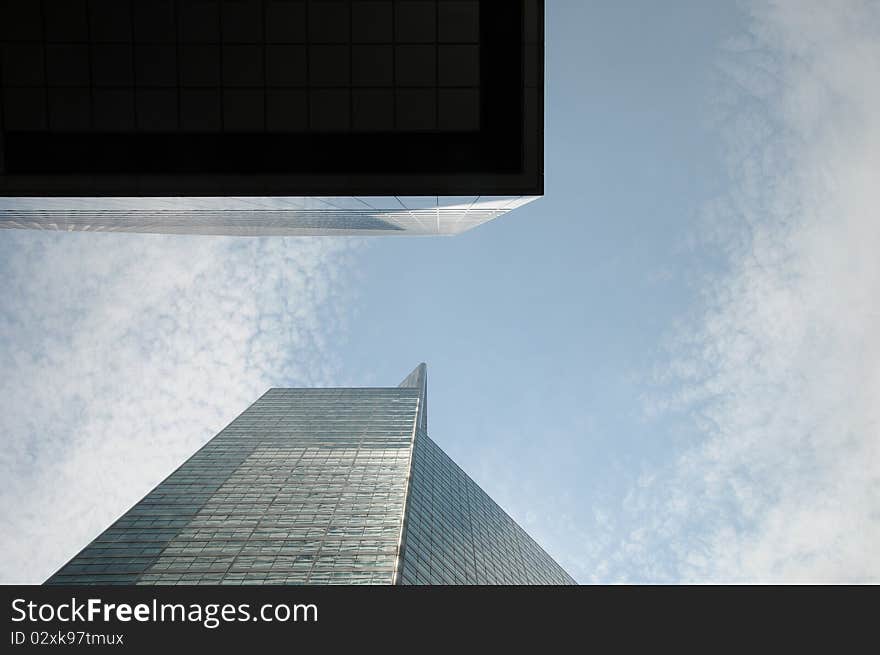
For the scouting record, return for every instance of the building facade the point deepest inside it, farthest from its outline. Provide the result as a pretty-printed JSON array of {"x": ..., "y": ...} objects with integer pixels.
[
  {"x": 269, "y": 117},
  {"x": 318, "y": 486}
]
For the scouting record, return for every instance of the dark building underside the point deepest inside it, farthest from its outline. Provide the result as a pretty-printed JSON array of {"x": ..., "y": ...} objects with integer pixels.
[{"x": 271, "y": 98}]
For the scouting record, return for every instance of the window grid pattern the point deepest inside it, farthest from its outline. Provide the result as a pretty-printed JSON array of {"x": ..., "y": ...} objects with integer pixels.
[
  {"x": 241, "y": 65},
  {"x": 306, "y": 486},
  {"x": 318, "y": 486},
  {"x": 455, "y": 533}
]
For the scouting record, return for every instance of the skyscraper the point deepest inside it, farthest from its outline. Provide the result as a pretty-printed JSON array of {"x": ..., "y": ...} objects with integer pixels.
[
  {"x": 269, "y": 117},
  {"x": 318, "y": 486}
]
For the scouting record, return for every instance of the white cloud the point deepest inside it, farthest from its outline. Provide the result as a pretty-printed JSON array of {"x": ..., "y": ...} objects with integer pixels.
[
  {"x": 782, "y": 367},
  {"x": 121, "y": 354}
]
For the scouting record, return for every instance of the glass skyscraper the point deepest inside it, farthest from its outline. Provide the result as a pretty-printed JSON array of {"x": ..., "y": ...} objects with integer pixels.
[
  {"x": 269, "y": 117},
  {"x": 318, "y": 486}
]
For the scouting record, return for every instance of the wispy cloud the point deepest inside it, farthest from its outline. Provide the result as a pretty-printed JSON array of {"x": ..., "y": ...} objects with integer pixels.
[
  {"x": 780, "y": 370},
  {"x": 121, "y": 354}
]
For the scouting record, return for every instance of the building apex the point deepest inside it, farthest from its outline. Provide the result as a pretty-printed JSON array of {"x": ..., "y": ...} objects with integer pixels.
[{"x": 418, "y": 379}]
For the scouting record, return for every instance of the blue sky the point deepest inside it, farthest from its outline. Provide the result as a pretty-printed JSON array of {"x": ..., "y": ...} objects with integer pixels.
[{"x": 666, "y": 370}]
